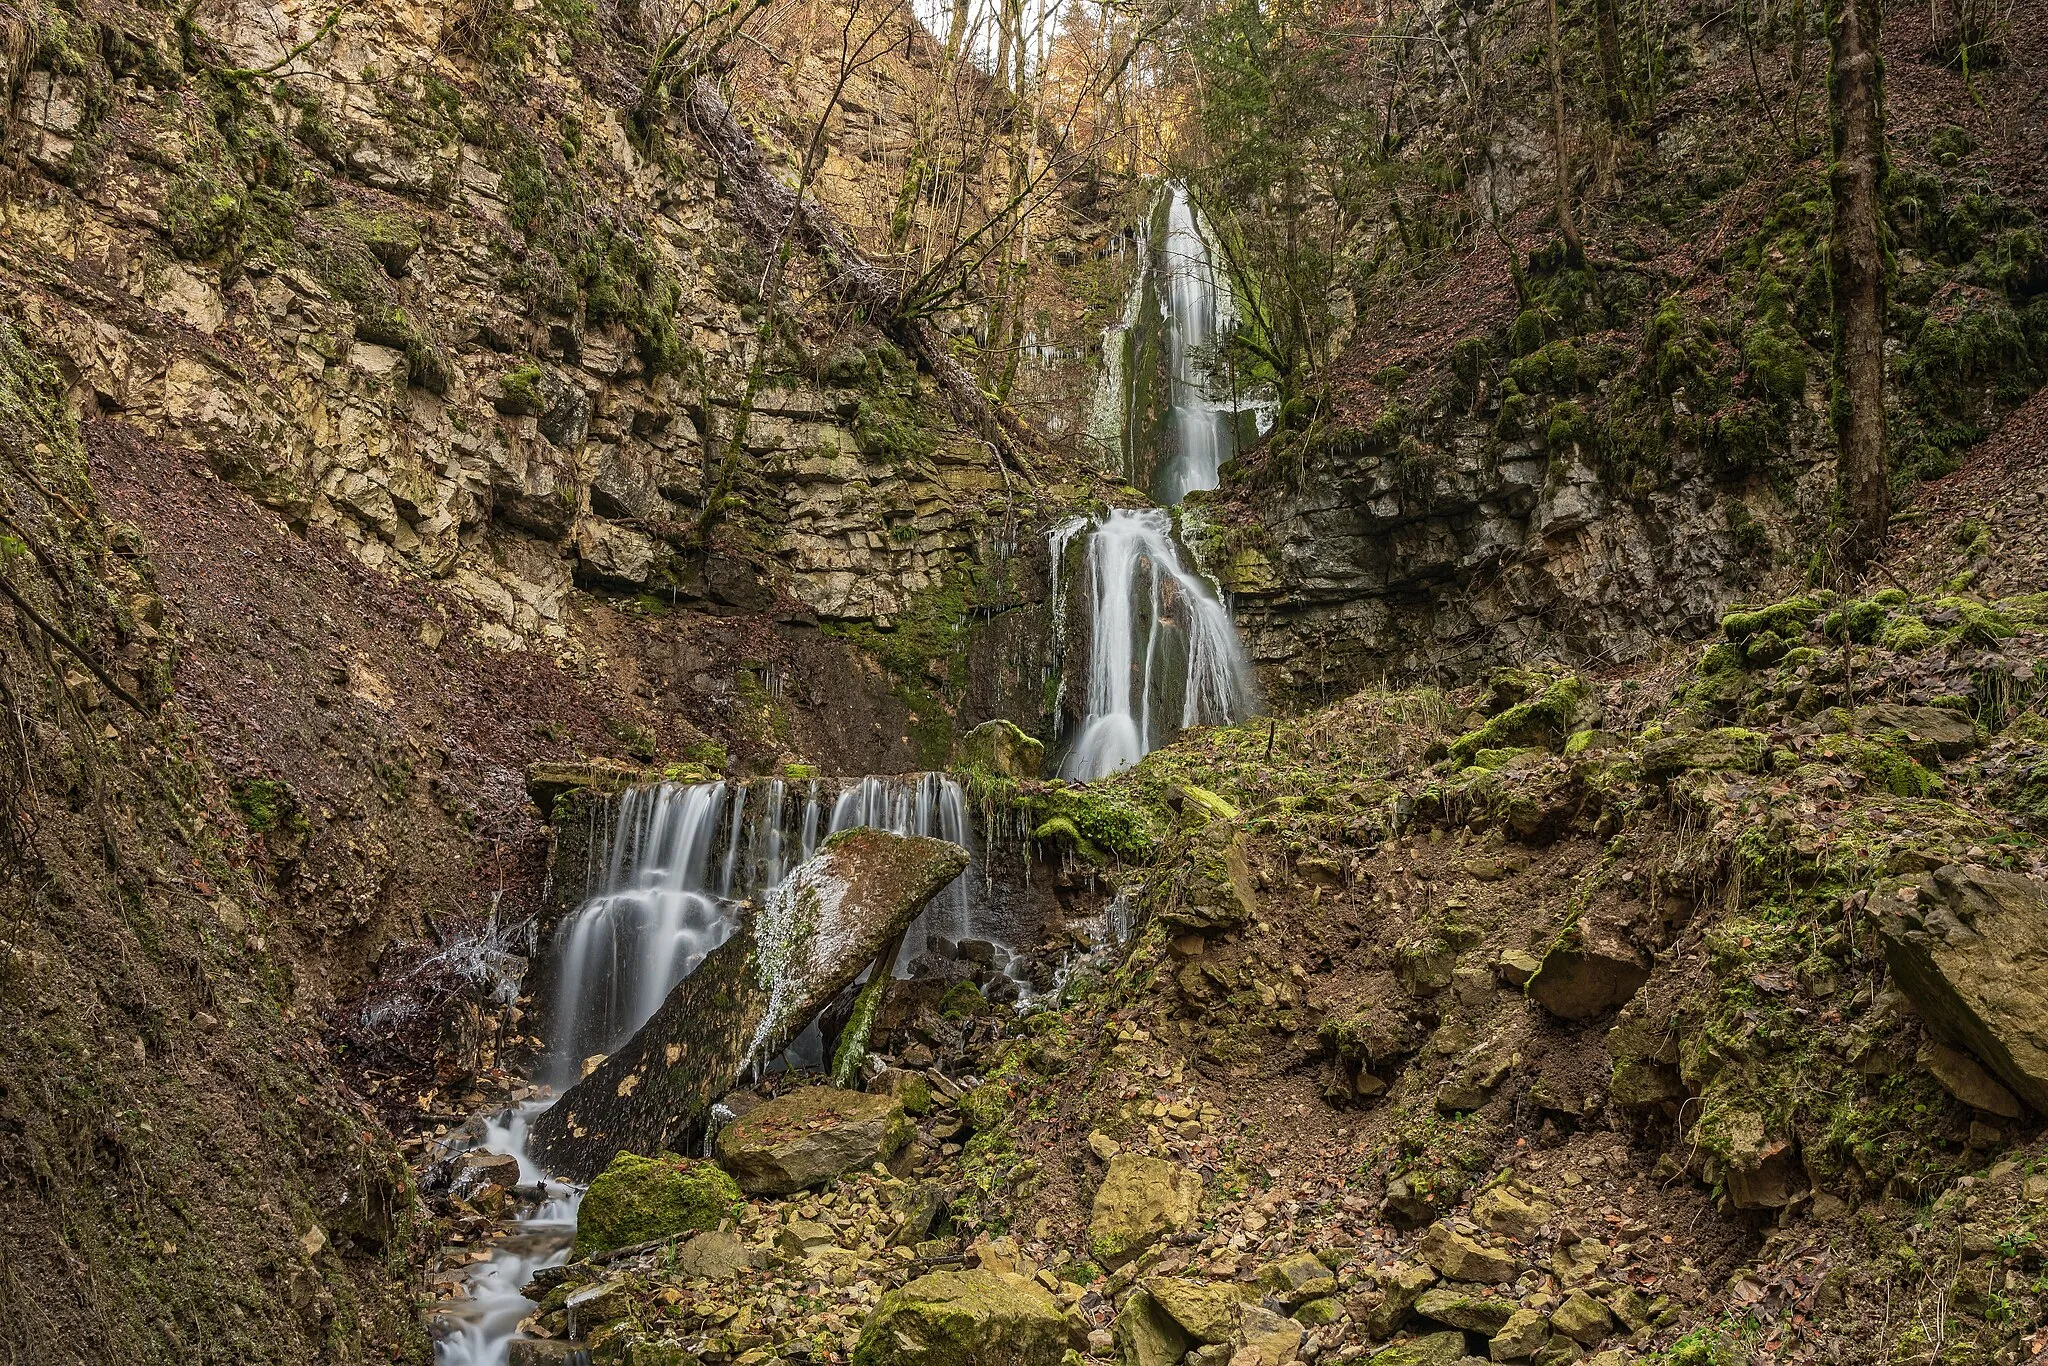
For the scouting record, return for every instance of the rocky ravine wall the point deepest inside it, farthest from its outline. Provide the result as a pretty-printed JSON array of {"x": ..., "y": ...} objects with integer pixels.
[{"x": 422, "y": 287}]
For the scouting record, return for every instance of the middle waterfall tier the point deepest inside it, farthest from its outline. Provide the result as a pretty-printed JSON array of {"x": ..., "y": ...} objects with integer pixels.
[
  {"x": 668, "y": 865},
  {"x": 1162, "y": 653}
]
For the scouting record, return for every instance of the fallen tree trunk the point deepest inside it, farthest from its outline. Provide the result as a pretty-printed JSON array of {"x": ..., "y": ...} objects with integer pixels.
[
  {"x": 747, "y": 1000},
  {"x": 772, "y": 212}
]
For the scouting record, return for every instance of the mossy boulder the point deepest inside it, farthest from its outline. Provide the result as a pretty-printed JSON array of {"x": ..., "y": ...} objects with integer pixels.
[
  {"x": 1928, "y": 734},
  {"x": 1789, "y": 618},
  {"x": 1000, "y": 750},
  {"x": 637, "y": 1199},
  {"x": 808, "y": 1137},
  {"x": 1206, "y": 1311},
  {"x": 964, "y": 1318},
  {"x": 1212, "y": 890},
  {"x": 1729, "y": 749},
  {"x": 1431, "y": 1349},
  {"x": 1141, "y": 1200},
  {"x": 1541, "y": 717}
]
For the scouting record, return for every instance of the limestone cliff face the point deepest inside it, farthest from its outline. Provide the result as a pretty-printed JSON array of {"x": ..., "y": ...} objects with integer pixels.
[
  {"x": 1375, "y": 563},
  {"x": 429, "y": 285}
]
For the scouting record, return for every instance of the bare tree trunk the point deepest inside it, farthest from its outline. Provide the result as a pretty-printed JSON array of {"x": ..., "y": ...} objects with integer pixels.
[
  {"x": 1856, "y": 262},
  {"x": 1575, "y": 250},
  {"x": 1798, "y": 76}
]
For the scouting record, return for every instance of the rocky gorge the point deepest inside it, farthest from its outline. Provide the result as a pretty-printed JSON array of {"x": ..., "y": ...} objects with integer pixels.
[{"x": 745, "y": 685}]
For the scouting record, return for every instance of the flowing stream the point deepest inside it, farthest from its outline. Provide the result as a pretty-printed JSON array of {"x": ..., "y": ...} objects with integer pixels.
[{"x": 667, "y": 868}]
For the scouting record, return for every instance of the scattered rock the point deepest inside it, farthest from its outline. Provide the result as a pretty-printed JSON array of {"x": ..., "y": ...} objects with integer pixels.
[
  {"x": 1930, "y": 733},
  {"x": 1460, "y": 1258},
  {"x": 1521, "y": 1337},
  {"x": 637, "y": 1199},
  {"x": 809, "y": 1136},
  {"x": 1206, "y": 1311},
  {"x": 471, "y": 1173},
  {"x": 1582, "y": 1318},
  {"x": 1141, "y": 1200},
  {"x": 1146, "y": 1335},
  {"x": 1436, "y": 1349},
  {"x": 1460, "y": 1309},
  {"x": 964, "y": 1318},
  {"x": 1726, "y": 750},
  {"x": 713, "y": 1256},
  {"x": 1275, "y": 1338},
  {"x": 1293, "y": 1280},
  {"x": 1517, "y": 966},
  {"x": 1591, "y": 969},
  {"x": 1504, "y": 1209},
  {"x": 1399, "y": 1292},
  {"x": 1965, "y": 1078}
]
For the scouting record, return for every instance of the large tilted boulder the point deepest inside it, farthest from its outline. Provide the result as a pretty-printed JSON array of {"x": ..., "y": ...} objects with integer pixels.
[
  {"x": 811, "y": 937},
  {"x": 964, "y": 1318},
  {"x": 1141, "y": 1200},
  {"x": 637, "y": 1199},
  {"x": 808, "y": 1137},
  {"x": 1969, "y": 947}
]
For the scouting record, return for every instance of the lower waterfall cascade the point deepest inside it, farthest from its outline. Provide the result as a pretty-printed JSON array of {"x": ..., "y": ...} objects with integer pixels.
[{"x": 667, "y": 867}]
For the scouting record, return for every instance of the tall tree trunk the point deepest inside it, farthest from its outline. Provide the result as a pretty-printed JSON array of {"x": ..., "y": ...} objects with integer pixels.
[
  {"x": 1856, "y": 262},
  {"x": 772, "y": 213},
  {"x": 1607, "y": 20},
  {"x": 1575, "y": 250},
  {"x": 1798, "y": 77}
]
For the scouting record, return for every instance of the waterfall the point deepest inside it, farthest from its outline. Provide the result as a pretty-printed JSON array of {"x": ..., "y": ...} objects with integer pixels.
[
  {"x": 1162, "y": 652},
  {"x": 671, "y": 865},
  {"x": 1168, "y": 408},
  {"x": 1201, "y": 432},
  {"x": 646, "y": 926}
]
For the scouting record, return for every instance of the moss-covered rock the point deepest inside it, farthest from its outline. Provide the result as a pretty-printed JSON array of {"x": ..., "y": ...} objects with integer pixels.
[
  {"x": 636, "y": 1199},
  {"x": 1141, "y": 1200},
  {"x": 999, "y": 749},
  {"x": 1212, "y": 891},
  {"x": 1789, "y": 618},
  {"x": 964, "y": 1318},
  {"x": 1729, "y": 749},
  {"x": 1541, "y": 718},
  {"x": 808, "y": 1137}
]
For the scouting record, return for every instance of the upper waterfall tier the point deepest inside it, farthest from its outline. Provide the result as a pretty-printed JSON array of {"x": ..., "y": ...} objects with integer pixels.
[{"x": 1170, "y": 408}]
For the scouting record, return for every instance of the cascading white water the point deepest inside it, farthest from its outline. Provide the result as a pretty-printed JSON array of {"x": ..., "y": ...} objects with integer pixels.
[
  {"x": 1201, "y": 429},
  {"x": 674, "y": 862},
  {"x": 667, "y": 869},
  {"x": 647, "y": 925},
  {"x": 478, "y": 1329},
  {"x": 1162, "y": 652}
]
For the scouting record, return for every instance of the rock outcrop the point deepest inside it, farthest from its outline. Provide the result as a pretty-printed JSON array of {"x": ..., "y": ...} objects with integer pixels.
[
  {"x": 1969, "y": 946},
  {"x": 1140, "y": 1201},
  {"x": 748, "y": 998},
  {"x": 637, "y": 1199}
]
